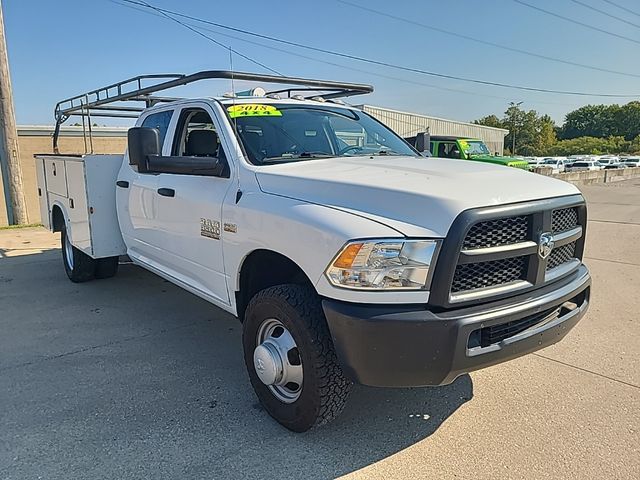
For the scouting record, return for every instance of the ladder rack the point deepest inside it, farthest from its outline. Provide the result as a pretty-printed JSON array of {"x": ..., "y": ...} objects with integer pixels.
[{"x": 113, "y": 100}]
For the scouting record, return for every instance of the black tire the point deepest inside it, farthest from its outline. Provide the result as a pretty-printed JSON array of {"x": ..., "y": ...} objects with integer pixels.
[
  {"x": 324, "y": 387},
  {"x": 106, "y": 267},
  {"x": 79, "y": 266}
]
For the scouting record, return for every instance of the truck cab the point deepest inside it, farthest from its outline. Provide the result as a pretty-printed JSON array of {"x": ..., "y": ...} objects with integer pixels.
[{"x": 347, "y": 256}]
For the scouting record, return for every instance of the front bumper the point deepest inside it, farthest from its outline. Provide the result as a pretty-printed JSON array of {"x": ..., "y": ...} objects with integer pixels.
[{"x": 410, "y": 345}]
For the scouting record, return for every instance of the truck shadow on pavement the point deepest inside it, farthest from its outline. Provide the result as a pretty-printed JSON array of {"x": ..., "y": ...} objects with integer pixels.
[{"x": 134, "y": 377}]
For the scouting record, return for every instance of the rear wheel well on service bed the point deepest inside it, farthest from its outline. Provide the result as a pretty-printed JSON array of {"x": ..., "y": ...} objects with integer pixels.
[
  {"x": 262, "y": 269},
  {"x": 57, "y": 219}
]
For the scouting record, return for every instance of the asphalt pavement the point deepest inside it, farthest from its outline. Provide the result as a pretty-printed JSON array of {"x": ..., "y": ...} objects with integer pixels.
[{"x": 132, "y": 377}]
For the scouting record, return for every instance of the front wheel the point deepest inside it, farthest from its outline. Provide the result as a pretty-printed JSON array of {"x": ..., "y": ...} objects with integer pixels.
[
  {"x": 290, "y": 357},
  {"x": 79, "y": 266}
]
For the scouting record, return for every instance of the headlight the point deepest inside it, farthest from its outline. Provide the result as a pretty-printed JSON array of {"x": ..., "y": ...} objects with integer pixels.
[{"x": 384, "y": 265}]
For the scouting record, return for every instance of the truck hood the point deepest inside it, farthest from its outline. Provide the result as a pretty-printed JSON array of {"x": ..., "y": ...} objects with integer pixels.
[{"x": 415, "y": 196}]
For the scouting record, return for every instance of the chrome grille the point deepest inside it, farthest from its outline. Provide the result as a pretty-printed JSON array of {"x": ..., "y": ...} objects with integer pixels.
[
  {"x": 493, "y": 233},
  {"x": 498, "y": 255},
  {"x": 564, "y": 219},
  {"x": 560, "y": 255},
  {"x": 471, "y": 276}
]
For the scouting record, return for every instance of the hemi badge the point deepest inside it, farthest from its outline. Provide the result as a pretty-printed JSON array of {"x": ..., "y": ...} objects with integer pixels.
[{"x": 230, "y": 227}]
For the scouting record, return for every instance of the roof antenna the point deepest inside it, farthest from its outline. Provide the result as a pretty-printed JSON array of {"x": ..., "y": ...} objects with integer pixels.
[
  {"x": 235, "y": 126},
  {"x": 233, "y": 89}
]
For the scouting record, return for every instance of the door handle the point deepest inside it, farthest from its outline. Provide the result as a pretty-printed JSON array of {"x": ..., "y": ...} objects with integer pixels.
[
  {"x": 167, "y": 192},
  {"x": 122, "y": 183}
]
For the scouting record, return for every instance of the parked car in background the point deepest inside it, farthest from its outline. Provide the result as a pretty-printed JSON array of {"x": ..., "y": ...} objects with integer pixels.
[
  {"x": 632, "y": 162},
  {"x": 555, "y": 163},
  {"x": 468, "y": 149},
  {"x": 612, "y": 166},
  {"x": 608, "y": 160},
  {"x": 584, "y": 166}
]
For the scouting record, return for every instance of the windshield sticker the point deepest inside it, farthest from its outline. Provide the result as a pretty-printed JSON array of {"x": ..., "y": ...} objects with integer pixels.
[{"x": 253, "y": 110}]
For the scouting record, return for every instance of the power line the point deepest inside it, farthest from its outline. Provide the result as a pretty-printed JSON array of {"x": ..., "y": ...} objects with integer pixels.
[
  {"x": 369, "y": 72},
  {"x": 604, "y": 12},
  {"x": 166, "y": 14},
  {"x": 326, "y": 62},
  {"x": 622, "y": 8},
  {"x": 586, "y": 25},
  {"x": 338, "y": 65},
  {"x": 486, "y": 42},
  {"x": 391, "y": 65}
]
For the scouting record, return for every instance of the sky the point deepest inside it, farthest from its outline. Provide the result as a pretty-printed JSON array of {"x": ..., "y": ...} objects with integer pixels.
[{"x": 60, "y": 48}]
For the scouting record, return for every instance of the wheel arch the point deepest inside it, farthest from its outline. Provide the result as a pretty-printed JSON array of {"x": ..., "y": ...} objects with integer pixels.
[
  {"x": 58, "y": 218},
  {"x": 263, "y": 268}
]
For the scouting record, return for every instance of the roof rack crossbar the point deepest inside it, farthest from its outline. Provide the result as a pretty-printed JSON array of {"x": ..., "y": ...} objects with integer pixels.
[{"x": 106, "y": 99}]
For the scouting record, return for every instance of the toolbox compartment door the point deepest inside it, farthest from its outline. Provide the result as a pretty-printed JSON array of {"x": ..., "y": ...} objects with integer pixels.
[
  {"x": 43, "y": 196},
  {"x": 56, "y": 176},
  {"x": 77, "y": 207}
]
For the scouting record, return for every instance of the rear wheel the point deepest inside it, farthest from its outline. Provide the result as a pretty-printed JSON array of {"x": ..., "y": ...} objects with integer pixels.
[
  {"x": 79, "y": 266},
  {"x": 291, "y": 359}
]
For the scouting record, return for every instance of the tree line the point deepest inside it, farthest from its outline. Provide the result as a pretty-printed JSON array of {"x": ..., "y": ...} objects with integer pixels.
[{"x": 592, "y": 129}]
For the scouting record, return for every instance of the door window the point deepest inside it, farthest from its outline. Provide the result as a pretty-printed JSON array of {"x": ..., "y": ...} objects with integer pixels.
[
  {"x": 196, "y": 136},
  {"x": 448, "y": 150},
  {"x": 159, "y": 121}
]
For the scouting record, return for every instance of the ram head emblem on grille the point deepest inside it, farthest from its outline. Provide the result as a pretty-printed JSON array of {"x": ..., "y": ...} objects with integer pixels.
[{"x": 545, "y": 244}]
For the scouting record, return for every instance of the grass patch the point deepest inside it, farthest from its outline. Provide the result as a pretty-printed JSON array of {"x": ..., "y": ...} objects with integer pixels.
[{"x": 13, "y": 227}]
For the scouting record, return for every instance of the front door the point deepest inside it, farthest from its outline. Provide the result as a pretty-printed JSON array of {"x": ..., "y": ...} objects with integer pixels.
[{"x": 189, "y": 208}]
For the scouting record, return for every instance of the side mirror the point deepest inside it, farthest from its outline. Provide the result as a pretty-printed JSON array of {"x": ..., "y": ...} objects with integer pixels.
[
  {"x": 423, "y": 139},
  {"x": 142, "y": 142}
]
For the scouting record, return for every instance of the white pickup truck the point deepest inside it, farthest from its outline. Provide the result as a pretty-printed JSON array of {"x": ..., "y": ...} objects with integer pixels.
[{"x": 347, "y": 256}]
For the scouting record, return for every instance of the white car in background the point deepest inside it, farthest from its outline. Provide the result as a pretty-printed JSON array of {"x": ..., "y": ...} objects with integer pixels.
[
  {"x": 556, "y": 163},
  {"x": 590, "y": 165},
  {"x": 631, "y": 161},
  {"x": 608, "y": 159}
]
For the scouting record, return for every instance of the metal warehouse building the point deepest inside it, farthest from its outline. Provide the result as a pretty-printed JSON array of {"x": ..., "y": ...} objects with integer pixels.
[{"x": 409, "y": 124}]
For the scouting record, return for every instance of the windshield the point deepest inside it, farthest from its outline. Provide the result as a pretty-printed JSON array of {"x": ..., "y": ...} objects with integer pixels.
[
  {"x": 550, "y": 162},
  {"x": 474, "y": 147},
  {"x": 277, "y": 133}
]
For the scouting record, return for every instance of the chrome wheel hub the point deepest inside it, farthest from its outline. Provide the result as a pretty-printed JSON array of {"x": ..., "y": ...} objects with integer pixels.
[
  {"x": 277, "y": 361},
  {"x": 68, "y": 250}
]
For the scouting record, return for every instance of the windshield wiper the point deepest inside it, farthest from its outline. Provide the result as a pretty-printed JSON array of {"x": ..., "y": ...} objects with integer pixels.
[
  {"x": 297, "y": 157},
  {"x": 383, "y": 152}
]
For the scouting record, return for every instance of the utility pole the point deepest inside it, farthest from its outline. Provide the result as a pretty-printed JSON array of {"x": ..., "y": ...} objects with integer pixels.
[
  {"x": 513, "y": 127},
  {"x": 9, "y": 154}
]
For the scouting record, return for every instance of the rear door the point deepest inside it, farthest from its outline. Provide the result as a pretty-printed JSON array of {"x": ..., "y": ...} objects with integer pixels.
[
  {"x": 189, "y": 207},
  {"x": 137, "y": 199}
]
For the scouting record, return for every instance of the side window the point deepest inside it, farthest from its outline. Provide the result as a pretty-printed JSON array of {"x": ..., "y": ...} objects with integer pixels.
[
  {"x": 448, "y": 150},
  {"x": 196, "y": 136},
  {"x": 160, "y": 121}
]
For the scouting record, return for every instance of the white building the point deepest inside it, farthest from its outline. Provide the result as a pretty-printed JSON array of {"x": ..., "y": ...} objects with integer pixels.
[{"x": 409, "y": 124}]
